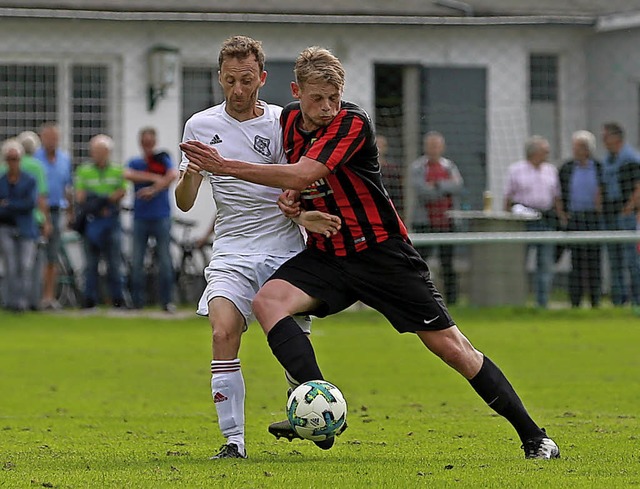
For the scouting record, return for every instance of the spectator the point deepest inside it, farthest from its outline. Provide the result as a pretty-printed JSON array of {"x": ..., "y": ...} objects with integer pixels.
[
  {"x": 31, "y": 165},
  {"x": 151, "y": 174},
  {"x": 100, "y": 187},
  {"x": 57, "y": 167},
  {"x": 18, "y": 231},
  {"x": 534, "y": 184},
  {"x": 581, "y": 186},
  {"x": 436, "y": 183},
  {"x": 621, "y": 196},
  {"x": 392, "y": 174}
]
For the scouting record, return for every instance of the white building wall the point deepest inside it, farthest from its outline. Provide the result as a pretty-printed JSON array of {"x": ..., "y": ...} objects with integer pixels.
[
  {"x": 504, "y": 51},
  {"x": 613, "y": 74}
]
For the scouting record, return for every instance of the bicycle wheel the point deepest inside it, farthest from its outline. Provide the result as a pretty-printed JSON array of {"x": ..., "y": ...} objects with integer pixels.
[
  {"x": 190, "y": 282},
  {"x": 67, "y": 289}
]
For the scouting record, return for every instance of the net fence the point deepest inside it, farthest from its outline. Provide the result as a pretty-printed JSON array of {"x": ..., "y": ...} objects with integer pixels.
[{"x": 485, "y": 90}]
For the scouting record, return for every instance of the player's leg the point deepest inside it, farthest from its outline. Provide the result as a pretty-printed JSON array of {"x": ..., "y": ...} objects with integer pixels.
[
  {"x": 306, "y": 283},
  {"x": 274, "y": 307},
  {"x": 400, "y": 287},
  {"x": 227, "y": 382},
  {"x": 491, "y": 385}
]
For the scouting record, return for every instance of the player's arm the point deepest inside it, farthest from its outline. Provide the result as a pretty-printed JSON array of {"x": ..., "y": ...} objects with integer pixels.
[
  {"x": 187, "y": 188},
  {"x": 138, "y": 176},
  {"x": 318, "y": 222},
  {"x": 296, "y": 176}
]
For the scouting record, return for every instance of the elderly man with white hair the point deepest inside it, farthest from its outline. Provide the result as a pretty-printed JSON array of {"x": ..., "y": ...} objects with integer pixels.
[
  {"x": 100, "y": 186},
  {"x": 18, "y": 231},
  {"x": 534, "y": 183},
  {"x": 581, "y": 187}
]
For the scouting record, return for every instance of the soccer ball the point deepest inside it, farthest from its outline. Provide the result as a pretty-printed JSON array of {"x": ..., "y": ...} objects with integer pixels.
[{"x": 316, "y": 410}]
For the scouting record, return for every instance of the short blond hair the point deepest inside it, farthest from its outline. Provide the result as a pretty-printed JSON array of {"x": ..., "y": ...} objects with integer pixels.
[{"x": 317, "y": 65}]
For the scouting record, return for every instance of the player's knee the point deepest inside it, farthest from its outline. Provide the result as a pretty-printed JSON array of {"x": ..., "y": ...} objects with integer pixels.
[
  {"x": 266, "y": 301},
  {"x": 222, "y": 336}
]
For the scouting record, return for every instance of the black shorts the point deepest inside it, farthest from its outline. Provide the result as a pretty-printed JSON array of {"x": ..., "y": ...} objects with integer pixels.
[{"x": 390, "y": 277}]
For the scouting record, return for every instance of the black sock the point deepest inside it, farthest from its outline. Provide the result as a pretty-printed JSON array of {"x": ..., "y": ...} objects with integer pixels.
[
  {"x": 494, "y": 388},
  {"x": 293, "y": 350}
]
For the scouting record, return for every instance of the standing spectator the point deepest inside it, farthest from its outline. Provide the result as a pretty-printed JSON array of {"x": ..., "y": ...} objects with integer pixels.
[
  {"x": 392, "y": 174},
  {"x": 18, "y": 231},
  {"x": 151, "y": 174},
  {"x": 621, "y": 194},
  {"x": 31, "y": 165},
  {"x": 100, "y": 187},
  {"x": 436, "y": 183},
  {"x": 534, "y": 183},
  {"x": 581, "y": 186},
  {"x": 57, "y": 167}
]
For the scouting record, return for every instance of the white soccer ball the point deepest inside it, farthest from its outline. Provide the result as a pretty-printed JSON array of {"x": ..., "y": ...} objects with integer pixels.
[{"x": 317, "y": 410}]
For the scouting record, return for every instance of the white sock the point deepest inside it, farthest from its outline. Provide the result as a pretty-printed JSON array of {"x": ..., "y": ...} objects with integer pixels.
[
  {"x": 227, "y": 389},
  {"x": 293, "y": 383}
]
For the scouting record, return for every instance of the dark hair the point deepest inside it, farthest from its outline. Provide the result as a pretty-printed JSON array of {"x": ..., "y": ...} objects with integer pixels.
[{"x": 614, "y": 129}]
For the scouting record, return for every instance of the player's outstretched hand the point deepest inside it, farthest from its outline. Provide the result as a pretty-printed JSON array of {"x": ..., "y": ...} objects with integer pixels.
[
  {"x": 289, "y": 203},
  {"x": 319, "y": 222},
  {"x": 204, "y": 156}
]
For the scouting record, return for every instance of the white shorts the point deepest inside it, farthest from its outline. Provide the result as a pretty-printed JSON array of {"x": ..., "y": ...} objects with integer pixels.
[{"x": 238, "y": 279}]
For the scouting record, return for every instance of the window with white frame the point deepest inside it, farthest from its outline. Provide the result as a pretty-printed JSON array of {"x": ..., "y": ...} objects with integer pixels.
[
  {"x": 543, "y": 99},
  {"x": 76, "y": 95},
  {"x": 200, "y": 90},
  {"x": 28, "y": 97},
  {"x": 89, "y": 106}
]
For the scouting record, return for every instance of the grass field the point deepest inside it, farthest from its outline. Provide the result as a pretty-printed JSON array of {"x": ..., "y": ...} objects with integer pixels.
[{"x": 103, "y": 401}]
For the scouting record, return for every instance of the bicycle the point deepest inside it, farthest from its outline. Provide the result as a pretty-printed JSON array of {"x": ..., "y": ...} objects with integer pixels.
[
  {"x": 67, "y": 293},
  {"x": 191, "y": 262}
]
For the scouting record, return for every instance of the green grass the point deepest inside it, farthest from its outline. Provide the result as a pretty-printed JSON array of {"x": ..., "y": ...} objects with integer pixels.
[{"x": 99, "y": 401}]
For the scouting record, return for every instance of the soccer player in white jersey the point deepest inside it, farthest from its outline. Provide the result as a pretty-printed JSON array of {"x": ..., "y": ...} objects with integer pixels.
[{"x": 252, "y": 237}]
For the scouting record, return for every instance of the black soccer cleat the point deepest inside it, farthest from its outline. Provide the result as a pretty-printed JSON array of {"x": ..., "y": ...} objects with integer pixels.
[
  {"x": 283, "y": 429},
  {"x": 541, "y": 448},
  {"x": 229, "y": 450}
]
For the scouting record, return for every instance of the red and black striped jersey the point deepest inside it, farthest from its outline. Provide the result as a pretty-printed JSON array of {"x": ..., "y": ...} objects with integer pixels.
[{"x": 353, "y": 190}]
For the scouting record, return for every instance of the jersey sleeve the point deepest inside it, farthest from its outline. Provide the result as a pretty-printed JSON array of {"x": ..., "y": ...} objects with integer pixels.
[{"x": 345, "y": 135}]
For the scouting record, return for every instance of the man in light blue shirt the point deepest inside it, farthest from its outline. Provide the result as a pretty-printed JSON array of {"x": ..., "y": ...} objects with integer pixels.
[
  {"x": 57, "y": 167},
  {"x": 618, "y": 205}
]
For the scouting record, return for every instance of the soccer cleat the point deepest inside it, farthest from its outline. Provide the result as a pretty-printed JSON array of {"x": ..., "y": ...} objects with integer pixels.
[
  {"x": 325, "y": 444},
  {"x": 283, "y": 429},
  {"x": 541, "y": 448},
  {"x": 229, "y": 450}
]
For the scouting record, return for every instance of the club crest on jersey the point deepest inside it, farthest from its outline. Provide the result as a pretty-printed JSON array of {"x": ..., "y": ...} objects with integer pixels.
[
  {"x": 261, "y": 145},
  {"x": 319, "y": 188}
]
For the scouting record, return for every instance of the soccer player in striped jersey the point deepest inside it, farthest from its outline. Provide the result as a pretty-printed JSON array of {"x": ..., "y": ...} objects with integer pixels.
[
  {"x": 330, "y": 145},
  {"x": 252, "y": 237}
]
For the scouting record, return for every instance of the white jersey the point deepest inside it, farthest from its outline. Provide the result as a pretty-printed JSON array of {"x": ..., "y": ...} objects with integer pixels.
[{"x": 248, "y": 221}]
